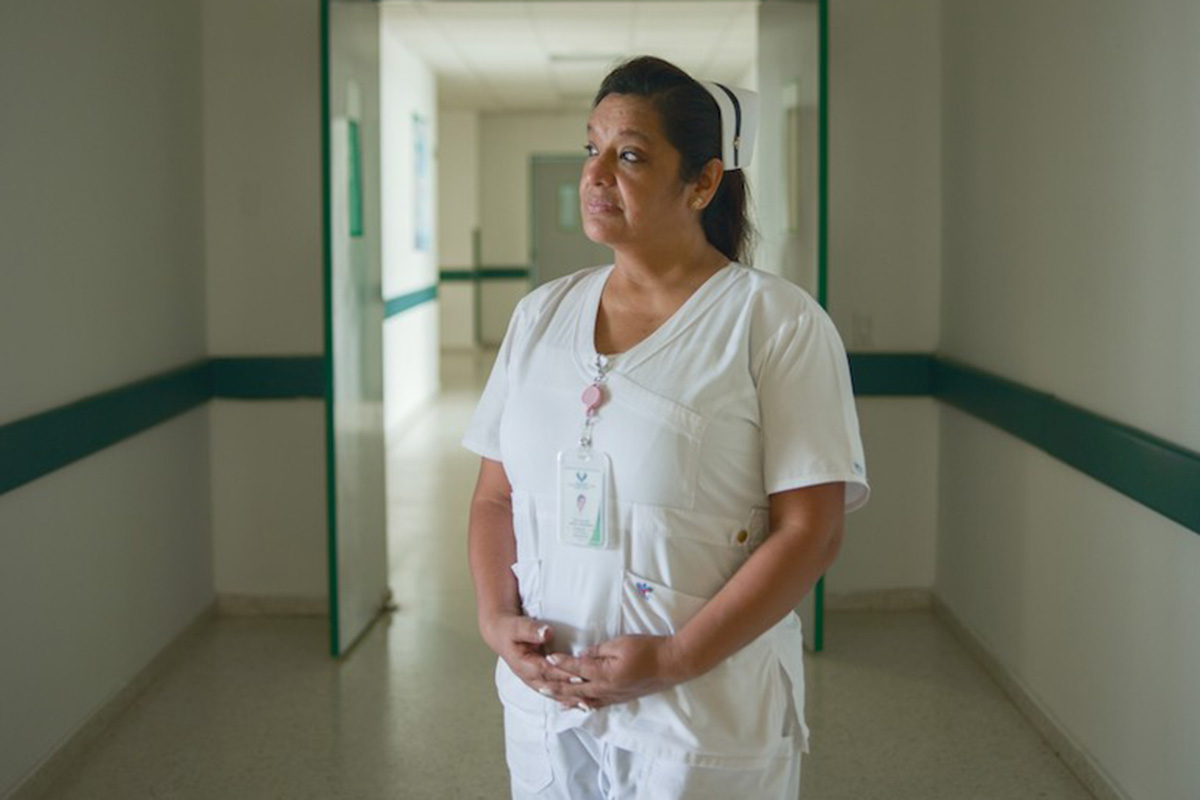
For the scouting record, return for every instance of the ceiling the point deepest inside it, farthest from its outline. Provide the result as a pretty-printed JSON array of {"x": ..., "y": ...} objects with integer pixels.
[{"x": 540, "y": 56}]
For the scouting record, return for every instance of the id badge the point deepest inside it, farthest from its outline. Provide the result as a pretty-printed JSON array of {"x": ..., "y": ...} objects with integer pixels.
[{"x": 583, "y": 498}]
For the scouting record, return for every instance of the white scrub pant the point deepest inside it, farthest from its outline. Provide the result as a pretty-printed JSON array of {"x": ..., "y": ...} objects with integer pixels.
[{"x": 573, "y": 765}]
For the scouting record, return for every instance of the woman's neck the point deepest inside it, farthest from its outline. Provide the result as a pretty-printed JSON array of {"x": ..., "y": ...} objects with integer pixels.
[{"x": 667, "y": 270}]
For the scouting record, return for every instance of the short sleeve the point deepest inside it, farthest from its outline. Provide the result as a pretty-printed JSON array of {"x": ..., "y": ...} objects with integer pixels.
[
  {"x": 807, "y": 414},
  {"x": 482, "y": 436}
]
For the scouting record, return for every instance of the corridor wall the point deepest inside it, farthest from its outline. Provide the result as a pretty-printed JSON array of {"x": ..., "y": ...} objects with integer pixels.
[
  {"x": 507, "y": 141},
  {"x": 884, "y": 277},
  {"x": 1070, "y": 252},
  {"x": 409, "y": 128},
  {"x": 107, "y": 559},
  {"x": 458, "y": 224},
  {"x": 262, "y": 245}
]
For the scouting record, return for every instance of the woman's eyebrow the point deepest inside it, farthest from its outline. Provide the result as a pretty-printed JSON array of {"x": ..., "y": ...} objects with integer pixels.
[{"x": 632, "y": 133}]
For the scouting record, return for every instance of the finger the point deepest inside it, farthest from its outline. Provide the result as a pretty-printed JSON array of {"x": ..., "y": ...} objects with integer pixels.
[
  {"x": 580, "y": 693},
  {"x": 534, "y": 666},
  {"x": 584, "y": 666},
  {"x": 532, "y": 631}
]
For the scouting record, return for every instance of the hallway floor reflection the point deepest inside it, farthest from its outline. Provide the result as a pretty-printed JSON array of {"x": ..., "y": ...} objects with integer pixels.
[{"x": 254, "y": 708}]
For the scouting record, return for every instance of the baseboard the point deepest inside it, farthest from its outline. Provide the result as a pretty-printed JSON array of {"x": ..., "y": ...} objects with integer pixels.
[
  {"x": 68, "y": 755},
  {"x": 880, "y": 600},
  {"x": 253, "y": 605},
  {"x": 1094, "y": 778}
]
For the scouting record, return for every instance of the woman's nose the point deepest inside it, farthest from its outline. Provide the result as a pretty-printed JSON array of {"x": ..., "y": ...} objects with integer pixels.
[{"x": 597, "y": 170}]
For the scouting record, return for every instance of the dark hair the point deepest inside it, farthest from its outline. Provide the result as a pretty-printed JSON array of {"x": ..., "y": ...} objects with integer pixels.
[{"x": 691, "y": 120}]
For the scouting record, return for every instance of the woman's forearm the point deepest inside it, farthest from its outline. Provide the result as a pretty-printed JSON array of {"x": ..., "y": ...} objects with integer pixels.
[
  {"x": 768, "y": 586},
  {"x": 491, "y": 550}
]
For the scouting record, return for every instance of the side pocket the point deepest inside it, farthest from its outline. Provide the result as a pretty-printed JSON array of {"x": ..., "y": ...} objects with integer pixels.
[
  {"x": 651, "y": 608},
  {"x": 526, "y": 751},
  {"x": 791, "y": 662},
  {"x": 529, "y": 585},
  {"x": 524, "y": 525}
]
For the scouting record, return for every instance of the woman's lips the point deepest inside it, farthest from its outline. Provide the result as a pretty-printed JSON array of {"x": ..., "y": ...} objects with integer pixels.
[{"x": 602, "y": 207}]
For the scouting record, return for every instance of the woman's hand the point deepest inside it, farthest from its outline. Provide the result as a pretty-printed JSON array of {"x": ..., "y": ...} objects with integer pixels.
[
  {"x": 519, "y": 640},
  {"x": 617, "y": 671}
]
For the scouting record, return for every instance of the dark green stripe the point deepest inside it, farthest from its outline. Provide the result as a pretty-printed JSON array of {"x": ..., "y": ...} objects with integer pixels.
[
  {"x": 1162, "y": 476},
  {"x": 1152, "y": 471},
  {"x": 404, "y": 302},
  {"x": 37, "y": 445},
  {"x": 485, "y": 273},
  {"x": 269, "y": 378},
  {"x": 891, "y": 374}
]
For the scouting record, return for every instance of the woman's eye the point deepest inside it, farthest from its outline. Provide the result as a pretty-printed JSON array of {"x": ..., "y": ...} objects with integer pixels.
[
  {"x": 590, "y": 149},
  {"x": 630, "y": 156}
]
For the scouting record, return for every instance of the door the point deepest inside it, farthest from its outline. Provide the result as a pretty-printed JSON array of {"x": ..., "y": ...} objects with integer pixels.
[
  {"x": 557, "y": 241},
  {"x": 354, "y": 311}
]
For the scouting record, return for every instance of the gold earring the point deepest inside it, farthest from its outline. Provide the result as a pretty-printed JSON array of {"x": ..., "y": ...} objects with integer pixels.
[{"x": 698, "y": 203}]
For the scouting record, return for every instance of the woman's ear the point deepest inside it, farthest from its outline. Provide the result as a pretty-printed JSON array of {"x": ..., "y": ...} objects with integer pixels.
[{"x": 706, "y": 184}]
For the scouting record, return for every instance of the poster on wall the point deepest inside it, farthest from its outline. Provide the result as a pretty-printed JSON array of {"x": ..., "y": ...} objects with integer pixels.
[{"x": 422, "y": 185}]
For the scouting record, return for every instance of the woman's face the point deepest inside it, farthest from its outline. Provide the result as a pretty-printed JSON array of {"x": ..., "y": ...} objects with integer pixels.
[{"x": 630, "y": 192}]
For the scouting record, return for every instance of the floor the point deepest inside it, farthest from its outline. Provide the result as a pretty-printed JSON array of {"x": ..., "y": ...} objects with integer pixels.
[{"x": 254, "y": 708}]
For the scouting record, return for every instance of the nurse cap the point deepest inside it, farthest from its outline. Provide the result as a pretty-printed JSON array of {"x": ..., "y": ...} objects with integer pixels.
[{"x": 739, "y": 122}]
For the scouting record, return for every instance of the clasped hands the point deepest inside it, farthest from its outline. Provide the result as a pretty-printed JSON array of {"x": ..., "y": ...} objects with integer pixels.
[{"x": 616, "y": 671}]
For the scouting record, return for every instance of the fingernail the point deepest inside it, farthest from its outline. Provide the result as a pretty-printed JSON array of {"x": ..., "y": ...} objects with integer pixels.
[
  {"x": 583, "y": 707},
  {"x": 545, "y": 691},
  {"x": 553, "y": 659},
  {"x": 576, "y": 679},
  {"x": 541, "y": 632}
]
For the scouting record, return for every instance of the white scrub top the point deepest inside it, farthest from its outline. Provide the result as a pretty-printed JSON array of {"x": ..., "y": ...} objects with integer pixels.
[{"x": 745, "y": 391}]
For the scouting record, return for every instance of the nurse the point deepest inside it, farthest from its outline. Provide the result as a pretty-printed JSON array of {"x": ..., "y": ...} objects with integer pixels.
[{"x": 669, "y": 445}]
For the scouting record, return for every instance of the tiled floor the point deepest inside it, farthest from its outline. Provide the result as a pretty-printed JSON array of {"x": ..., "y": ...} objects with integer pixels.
[{"x": 256, "y": 709}]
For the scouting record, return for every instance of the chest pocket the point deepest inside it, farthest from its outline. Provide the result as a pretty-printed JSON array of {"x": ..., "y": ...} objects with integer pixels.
[{"x": 654, "y": 444}]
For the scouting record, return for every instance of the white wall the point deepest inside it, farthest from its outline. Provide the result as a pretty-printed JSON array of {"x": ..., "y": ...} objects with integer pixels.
[
  {"x": 458, "y": 215},
  {"x": 884, "y": 173},
  {"x": 410, "y": 345},
  {"x": 884, "y": 269},
  {"x": 507, "y": 143},
  {"x": 106, "y": 560},
  {"x": 788, "y": 50},
  {"x": 1071, "y": 194},
  {"x": 264, "y": 266},
  {"x": 458, "y": 187}
]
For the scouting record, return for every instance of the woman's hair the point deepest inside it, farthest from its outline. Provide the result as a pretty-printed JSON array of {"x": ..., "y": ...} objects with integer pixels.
[{"x": 692, "y": 123}]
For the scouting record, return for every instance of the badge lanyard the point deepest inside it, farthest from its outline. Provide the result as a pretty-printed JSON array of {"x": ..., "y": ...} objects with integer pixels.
[{"x": 583, "y": 474}]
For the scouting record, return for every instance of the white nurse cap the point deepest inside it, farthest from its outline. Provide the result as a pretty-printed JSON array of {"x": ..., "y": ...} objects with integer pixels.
[{"x": 739, "y": 122}]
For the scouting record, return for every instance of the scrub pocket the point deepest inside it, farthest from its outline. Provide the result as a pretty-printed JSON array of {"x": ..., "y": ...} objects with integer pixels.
[
  {"x": 654, "y": 443},
  {"x": 737, "y": 713},
  {"x": 529, "y": 586},
  {"x": 694, "y": 552},
  {"x": 526, "y": 751},
  {"x": 649, "y": 607}
]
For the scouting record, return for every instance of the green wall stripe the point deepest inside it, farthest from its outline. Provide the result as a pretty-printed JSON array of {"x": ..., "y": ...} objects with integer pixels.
[
  {"x": 269, "y": 378},
  {"x": 891, "y": 374},
  {"x": 1156, "y": 473},
  {"x": 404, "y": 302},
  {"x": 37, "y": 445},
  {"x": 485, "y": 273}
]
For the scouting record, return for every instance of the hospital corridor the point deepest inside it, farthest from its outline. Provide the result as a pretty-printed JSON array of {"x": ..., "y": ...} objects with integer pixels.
[
  {"x": 252, "y": 708},
  {"x": 258, "y": 259}
]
